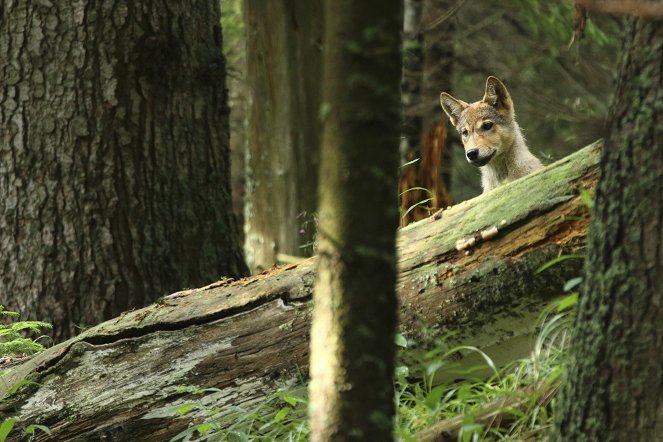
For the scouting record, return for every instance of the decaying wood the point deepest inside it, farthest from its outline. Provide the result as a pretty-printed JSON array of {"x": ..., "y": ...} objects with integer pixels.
[{"x": 249, "y": 338}]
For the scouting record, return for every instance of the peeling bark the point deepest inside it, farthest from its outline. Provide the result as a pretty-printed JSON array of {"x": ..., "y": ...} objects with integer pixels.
[{"x": 250, "y": 337}]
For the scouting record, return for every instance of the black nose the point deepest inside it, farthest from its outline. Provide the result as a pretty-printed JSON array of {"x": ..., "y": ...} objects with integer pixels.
[{"x": 472, "y": 154}]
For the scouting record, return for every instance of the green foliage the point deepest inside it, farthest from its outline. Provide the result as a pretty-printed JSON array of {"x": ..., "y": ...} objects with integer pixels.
[
  {"x": 527, "y": 381},
  {"x": 420, "y": 402},
  {"x": 232, "y": 26},
  {"x": 420, "y": 203},
  {"x": 6, "y": 427},
  {"x": 587, "y": 198},
  {"x": 557, "y": 260},
  {"x": 12, "y": 335},
  {"x": 30, "y": 431},
  {"x": 281, "y": 417}
]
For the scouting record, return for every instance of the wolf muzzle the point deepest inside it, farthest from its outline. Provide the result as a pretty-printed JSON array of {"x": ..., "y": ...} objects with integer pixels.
[{"x": 473, "y": 157}]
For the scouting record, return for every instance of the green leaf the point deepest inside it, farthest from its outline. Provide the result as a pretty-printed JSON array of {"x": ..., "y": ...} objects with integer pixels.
[
  {"x": 283, "y": 412},
  {"x": 572, "y": 283},
  {"x": 557, "y": 260},
  {"x": 7, "y": 313},
  {"x": 293, "y": 400},
  {"x": 184, "y": 409},
  {"x": 410, "y": 162},
  {"x": 586, "y": 198},
  {"x": 237, "y": 436},
  {"x": 204, "y": 428},
  {"x": 35, "y": 326},
  {"x": 485, "y": 357},
  {"x": 189, "y": 431},
  {"x": 180, "y": 410},
  {"x": 401, "y": 341},
  {"x": 402, "y": 372},
  {"x": 17, "y": 386},
  {"x": 31, "y": 429},
  {"x": 567, "y": 301},
  {"x": 412, "y": 207},
  {"x": 435, "y": 366},
  {"x": 467, "y": 431},
  {"x": 6, "y": 427},
  {"x": 434, "y": 396},
  {"x": 415, "y": 188}
]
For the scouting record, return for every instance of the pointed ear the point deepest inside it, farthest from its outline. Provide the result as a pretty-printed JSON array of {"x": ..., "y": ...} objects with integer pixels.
[
  {"x": 496, "y": 95},
  {"x": 452, "y": 107}
]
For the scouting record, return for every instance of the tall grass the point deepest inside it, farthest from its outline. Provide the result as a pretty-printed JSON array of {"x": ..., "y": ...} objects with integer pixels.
[{"x": 520, "y": 396}]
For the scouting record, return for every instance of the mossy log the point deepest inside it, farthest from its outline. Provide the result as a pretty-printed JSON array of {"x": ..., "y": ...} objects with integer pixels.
[{"x": 249, "y": 337}]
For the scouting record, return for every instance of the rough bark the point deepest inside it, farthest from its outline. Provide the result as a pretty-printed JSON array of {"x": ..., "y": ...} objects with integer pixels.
[
  {"x": 355, "y": 314},
  {"x": 114, "y": 165},
  {"x": 250, "y": 337},
  {"x": 615, "y": 377},
  {"x": 284, "y": 68}
]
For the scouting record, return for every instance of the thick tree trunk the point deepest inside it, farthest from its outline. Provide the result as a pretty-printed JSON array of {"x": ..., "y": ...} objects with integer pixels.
[
  {"x": 355, "y": 308},
  {"x": 284, "y": 68},
  {"x": 250, "y": 337},
  {"x": 114, "y": 176},
  {"x": 615, "y": 378}
]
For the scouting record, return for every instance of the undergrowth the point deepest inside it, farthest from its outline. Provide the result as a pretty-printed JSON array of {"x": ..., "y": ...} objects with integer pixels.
[
  {"x": 520, "y": 395},
  {"x": 14, "y": 342}
]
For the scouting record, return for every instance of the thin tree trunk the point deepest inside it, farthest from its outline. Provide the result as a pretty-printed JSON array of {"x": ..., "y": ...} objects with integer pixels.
[
  {"x": 438, "y": 31},
  {"x": 411, "y": 81},
  {"x": 114, "y": 184},
  {"x": 250, "y": 338},
  {"x": 428, "y": 62},
  {"x": 615, "y": 378},
  {"x": 354, "y": 317},
  {"x": 284, "y": 66}
]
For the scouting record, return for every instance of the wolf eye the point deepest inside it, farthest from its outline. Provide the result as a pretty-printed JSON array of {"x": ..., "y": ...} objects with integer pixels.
[
  {"x": 464, "y": 132},
  {"x": 487, "y": 125}
]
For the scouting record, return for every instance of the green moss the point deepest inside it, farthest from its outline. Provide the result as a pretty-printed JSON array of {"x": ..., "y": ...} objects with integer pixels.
[{"x": 546, "y": 188}]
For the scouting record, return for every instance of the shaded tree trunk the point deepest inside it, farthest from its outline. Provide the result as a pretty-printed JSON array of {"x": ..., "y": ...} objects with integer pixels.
[
  {"x": 114, "y": 179},
  {"x": 284, "y": 68},
  {"x": 249, "y": 338},
  {"x": 411, "y": 81},
  {"x": 615, "y": 377},
  {"x": 354, "y": 316},
  {"x": 428, "y": 60},
  {"x": 439, "y": 35}
]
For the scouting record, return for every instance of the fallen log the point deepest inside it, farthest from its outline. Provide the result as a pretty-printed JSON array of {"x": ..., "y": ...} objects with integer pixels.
[{"x": 249, "y": 338}]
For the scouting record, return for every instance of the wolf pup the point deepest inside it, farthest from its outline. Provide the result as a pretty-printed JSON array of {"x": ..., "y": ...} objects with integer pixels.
[{"x": 491, "y": 136}]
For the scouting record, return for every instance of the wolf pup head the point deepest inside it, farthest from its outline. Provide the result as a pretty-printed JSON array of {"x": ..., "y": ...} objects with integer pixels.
[{"x": 487, "y": 127}]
